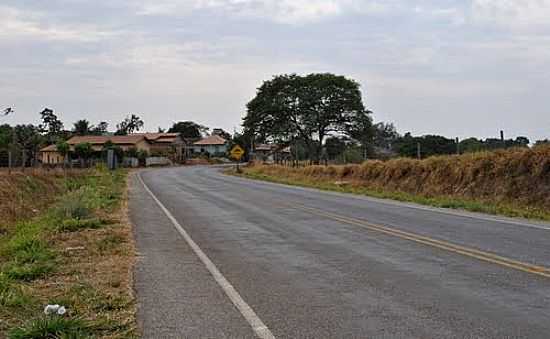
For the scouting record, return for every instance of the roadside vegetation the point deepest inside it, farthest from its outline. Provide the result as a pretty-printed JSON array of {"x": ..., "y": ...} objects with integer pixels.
[
  {"x": 513, "y": 182},
  {"x": 65, "y": 240}
]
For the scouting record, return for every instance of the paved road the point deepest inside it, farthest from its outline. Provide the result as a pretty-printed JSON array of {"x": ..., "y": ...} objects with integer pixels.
[{"x": 313, "y": 264}]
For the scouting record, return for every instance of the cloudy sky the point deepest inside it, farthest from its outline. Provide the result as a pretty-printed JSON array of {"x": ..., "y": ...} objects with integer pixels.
[{"x": 458, "y": 68}]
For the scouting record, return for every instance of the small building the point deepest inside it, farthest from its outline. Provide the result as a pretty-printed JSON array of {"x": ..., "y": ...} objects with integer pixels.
[
  {"x": 49, "y": 155},
  {"x": 213, "y": 145},
  {"x": 270, "y": 153},
  {"x": 171, "y": 145}
]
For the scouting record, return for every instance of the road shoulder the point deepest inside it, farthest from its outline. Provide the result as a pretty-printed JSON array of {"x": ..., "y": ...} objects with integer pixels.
[{"x": 177, "y": 296}]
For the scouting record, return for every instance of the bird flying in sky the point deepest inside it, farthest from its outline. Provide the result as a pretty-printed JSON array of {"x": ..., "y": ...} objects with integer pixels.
[{"x": 7, "y": 111}]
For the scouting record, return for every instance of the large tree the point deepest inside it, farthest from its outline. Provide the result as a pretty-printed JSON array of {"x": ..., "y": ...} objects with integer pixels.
[
  {"x": 129, "y": 125},
  {"x": 51, "y": 126},
  {"x": 306, "y": 108},
  {"x": 28, "y": 139},
  {"x": 189, "y": 129}
]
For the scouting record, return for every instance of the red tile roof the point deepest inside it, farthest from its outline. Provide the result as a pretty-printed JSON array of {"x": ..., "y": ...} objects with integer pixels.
[
  {"x": 211, "y": 140},
  {"x": 156, "y": 136},
  {"x": 101, "y": 139}
]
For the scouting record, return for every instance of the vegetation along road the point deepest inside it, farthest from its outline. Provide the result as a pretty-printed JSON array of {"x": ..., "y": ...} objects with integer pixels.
[{"x": 224, "y": 256}]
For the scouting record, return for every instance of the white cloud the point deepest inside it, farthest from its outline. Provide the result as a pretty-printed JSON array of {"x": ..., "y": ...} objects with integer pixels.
[
  {"x": 16, "y": 24},
  {"x": 512, "y": 12},
  {"x": 281, "y": 11}
]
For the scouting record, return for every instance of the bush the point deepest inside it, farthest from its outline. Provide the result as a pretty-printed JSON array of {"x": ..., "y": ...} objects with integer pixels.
[{"x": 79, "y": 204}]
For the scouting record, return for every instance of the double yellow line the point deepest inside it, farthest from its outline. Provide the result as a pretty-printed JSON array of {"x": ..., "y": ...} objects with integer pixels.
[{"x": 469, "y": 252}]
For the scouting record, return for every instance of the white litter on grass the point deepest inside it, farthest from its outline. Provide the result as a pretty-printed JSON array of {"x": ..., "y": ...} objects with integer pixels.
[{"x": 55, "y": 309}]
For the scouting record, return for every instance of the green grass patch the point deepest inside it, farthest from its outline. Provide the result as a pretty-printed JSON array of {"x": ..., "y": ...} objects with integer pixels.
[{"x": 47, "y": 327}]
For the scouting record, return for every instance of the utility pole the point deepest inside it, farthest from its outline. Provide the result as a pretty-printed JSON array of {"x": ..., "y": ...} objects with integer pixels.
[
  {"x": 418, "y": 151},
  {"x": 502, "y": 139},
  {"x": 457, "y": 146}
]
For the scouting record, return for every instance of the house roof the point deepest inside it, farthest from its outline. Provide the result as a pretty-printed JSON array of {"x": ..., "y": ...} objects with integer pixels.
[
  {"x": 51, "y": 148},
  {"x": 101, "y": 139},
  {"x": 212, "y": 140},
  {"x": 157, "y": 136}
]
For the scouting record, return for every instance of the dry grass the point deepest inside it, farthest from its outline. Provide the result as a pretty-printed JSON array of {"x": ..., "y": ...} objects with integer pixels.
[
  {"x": 93, "y": 267},
  {"x": 26, "y": 194},
  {"x": 514, "y": 182}
]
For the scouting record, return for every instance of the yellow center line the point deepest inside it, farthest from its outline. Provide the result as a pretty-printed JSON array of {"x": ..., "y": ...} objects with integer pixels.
[{"x": 469, "y": 252}]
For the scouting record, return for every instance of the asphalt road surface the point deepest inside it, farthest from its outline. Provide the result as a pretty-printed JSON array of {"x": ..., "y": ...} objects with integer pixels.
[{"x": 227, "y": 257}]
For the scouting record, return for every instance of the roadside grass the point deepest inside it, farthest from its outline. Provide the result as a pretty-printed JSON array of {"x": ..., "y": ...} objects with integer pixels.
[
  {"x": 78, "y": 253},
  {"x": 357, "y": 187}
]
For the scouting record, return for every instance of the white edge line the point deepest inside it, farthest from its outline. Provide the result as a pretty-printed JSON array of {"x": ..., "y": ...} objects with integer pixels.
[{"x": 261, "y": 330}]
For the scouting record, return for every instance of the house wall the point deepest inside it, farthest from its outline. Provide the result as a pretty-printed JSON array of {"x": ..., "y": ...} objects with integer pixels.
[
  {"x": 212, "y": 149},
  {"x": 52, "y": 158},
  {"x": 142, "y": 145}
]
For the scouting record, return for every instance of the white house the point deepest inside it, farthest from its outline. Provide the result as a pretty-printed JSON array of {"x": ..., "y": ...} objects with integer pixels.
[{"x": 213, "y": 145}]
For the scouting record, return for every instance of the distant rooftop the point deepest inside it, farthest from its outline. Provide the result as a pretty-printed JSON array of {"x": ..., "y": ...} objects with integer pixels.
[{"x": 212, "y": 140}]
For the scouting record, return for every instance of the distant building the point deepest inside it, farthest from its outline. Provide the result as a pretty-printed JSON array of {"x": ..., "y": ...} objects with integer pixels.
[
  {"x": 213, "y": 145},
  {"x": 169, "y": 145},
  {"x": 166, "y": 144},
  {"x": 271, "y": 153}
]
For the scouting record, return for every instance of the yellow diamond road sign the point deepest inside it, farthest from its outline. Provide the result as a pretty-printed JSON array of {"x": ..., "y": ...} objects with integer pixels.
[{"x": 237, "y": 152}]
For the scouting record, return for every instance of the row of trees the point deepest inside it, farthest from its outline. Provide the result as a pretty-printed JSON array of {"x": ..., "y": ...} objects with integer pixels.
[{"x": 322, "y": 116}]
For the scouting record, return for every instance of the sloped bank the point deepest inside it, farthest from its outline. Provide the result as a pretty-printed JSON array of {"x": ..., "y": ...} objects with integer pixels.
[{"x": 514, "y": 182}]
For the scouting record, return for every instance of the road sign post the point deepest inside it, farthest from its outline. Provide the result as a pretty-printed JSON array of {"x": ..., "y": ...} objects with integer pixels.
[{"x": 237, "y": 153}]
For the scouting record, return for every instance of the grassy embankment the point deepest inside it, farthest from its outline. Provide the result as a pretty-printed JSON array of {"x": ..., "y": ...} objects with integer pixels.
[
  {"x": 513, "y": 182},
  {"x": 65, "y": 240}
]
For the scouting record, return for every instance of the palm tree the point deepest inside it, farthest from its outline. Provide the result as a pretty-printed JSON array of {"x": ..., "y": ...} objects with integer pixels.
[{"x": 82, "y": 127}]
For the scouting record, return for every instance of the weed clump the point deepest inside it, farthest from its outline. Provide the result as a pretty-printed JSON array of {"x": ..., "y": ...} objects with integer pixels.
[
  {"x": 53, "y": 327},
  {"x": 73, "y": 225}
]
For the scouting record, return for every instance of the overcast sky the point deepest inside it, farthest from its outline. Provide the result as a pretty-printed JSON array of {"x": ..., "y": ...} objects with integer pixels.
[{"x": 457, "y": 68}]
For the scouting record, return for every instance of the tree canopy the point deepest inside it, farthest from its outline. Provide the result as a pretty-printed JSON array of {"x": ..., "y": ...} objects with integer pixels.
[
  {"x": 189, "y": 129},
  {"x": 129, "y": 125},
  {"x": 308, "y": 108},
  {"x": 82, "y": 127},
  {"x": 51, "y": 126}
]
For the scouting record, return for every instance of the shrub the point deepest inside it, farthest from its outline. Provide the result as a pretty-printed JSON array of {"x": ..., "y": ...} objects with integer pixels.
[{"x": 79, "y": 204}]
